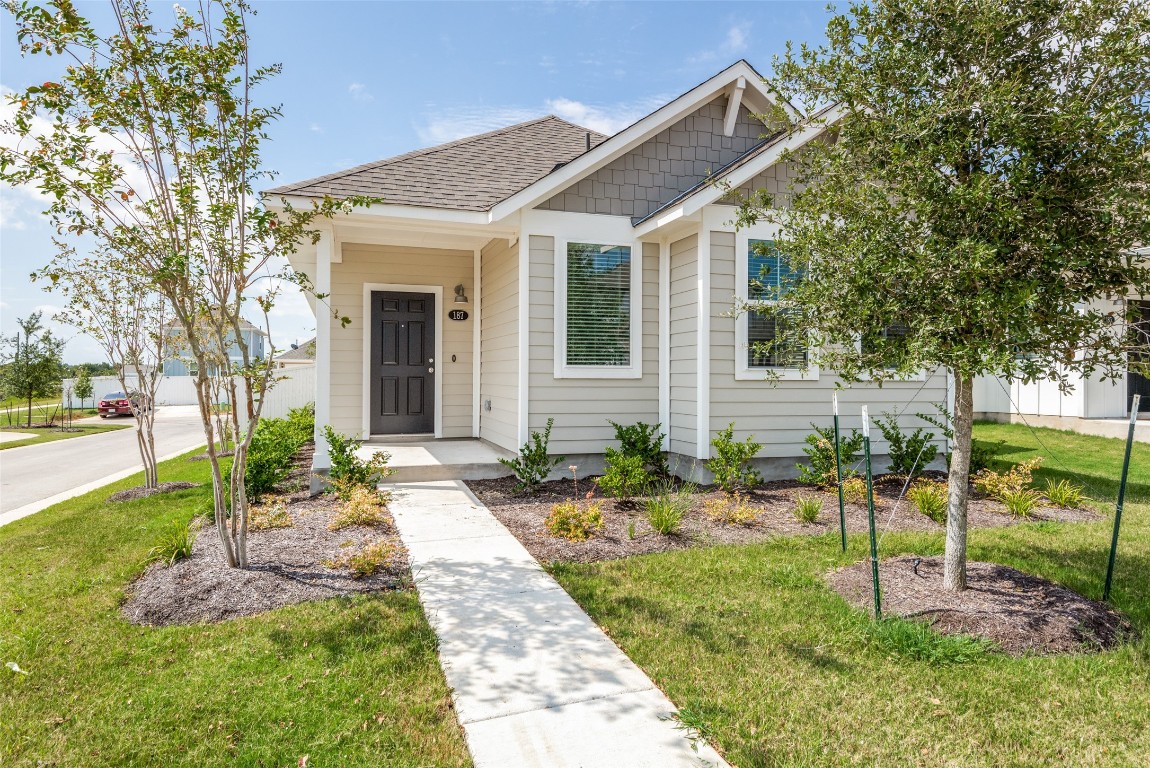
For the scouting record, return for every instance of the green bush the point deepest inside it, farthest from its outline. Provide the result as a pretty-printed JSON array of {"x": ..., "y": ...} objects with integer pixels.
[
  {"x": 626, "y": 475},
  {"x": 909, "y": 453},
  {"x": 175, "y": 543},
  {"x": 574, "y": 521},
  {"x": 666, "y": 508},
  {"x": 929, "y": 498},
  {"x": 644, "y": 441},
  {"x": 1021, "y": 502},
  {"x": 807, "y": 509},
  {"x": 274, "y": 443},
  {"x": 820, "y": 452},
  {"x": 348, "y": 471},
  {"x": 1064, "y": 494},
  {"x": 731, "y": 464},
  {"x": 533, "y": 464}
]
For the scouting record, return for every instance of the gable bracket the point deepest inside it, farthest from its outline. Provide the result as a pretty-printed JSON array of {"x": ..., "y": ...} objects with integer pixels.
[{"x": 734, "y": 99}]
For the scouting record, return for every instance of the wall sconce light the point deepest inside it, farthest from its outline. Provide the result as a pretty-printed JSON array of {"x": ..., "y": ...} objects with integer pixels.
[{"x": 460, "y": 296}]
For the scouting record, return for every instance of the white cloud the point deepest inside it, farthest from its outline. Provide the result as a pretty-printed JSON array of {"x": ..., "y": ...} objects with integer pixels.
[
  {"x": 737, "y": 38},
  {"x": 315, "y": 128},
  {"x": 735, "y": 42},
  {"x": 359, "y": 92},
  {"x": 13, "y": 213}
]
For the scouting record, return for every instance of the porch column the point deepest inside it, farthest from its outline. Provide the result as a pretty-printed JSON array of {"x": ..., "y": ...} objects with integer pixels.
[{"x": 323, "y": 257}]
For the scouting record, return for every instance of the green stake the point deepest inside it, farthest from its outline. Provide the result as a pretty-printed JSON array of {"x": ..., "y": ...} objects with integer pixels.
[
  {"x": 839, "y": 470},
  {"x": 870, "y": 516},
  {"x": 1121, "y": 496}
]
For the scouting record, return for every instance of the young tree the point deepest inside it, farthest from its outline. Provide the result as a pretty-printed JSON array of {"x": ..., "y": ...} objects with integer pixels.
[
  {"x": 83, "y": 385},
  {"x": 976, "y": 202},
  {"x": 148, "y": 143},
  {"x": 111, "y": 302},
  {"x": 34, "y": 367}
]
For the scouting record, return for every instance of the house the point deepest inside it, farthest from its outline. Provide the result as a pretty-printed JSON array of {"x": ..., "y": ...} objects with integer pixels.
[
  {"x": 1091, "y": 400},
  {"x": 299, "y": 355},
  {"x": 547, "y": 271},
  {"x": 178, "y": 361}
]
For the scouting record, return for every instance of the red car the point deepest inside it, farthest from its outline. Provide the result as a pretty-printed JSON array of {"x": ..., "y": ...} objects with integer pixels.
[{"x": 120, "y": 404}]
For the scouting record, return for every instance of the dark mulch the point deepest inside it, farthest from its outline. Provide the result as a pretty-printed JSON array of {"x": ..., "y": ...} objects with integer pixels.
[
  {"x": 286, "y": 565},
  {"x": 204, "y": 456},
  {"x": 1020, "y": 613},
  {"x": 523, "y": 514},
  {"x": 140, "y": 492}
]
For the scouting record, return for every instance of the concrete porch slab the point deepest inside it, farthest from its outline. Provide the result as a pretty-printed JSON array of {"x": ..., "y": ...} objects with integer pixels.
[{"x": 455, "y": 459}]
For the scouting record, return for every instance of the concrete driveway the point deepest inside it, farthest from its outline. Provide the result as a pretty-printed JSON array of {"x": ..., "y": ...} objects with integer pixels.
[{"x": 41, "y": 475}]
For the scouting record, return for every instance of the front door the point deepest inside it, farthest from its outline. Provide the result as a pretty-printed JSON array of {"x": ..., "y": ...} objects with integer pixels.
[
  {"x": 402, "y": 363},
  {"x": 1137, "y": 378}
]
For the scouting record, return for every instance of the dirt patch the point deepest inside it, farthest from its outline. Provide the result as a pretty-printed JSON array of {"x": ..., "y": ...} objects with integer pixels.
[
  {"x": 141, "y": 492},
  {"x": 204, "y": 456},
  {"x": 286, "y": 566},
  {"x": 773, "y": 503},
  {"x": 1020, "y": 613}
]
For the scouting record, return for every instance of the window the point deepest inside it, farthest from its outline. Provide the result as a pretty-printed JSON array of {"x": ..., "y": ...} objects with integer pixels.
[
  {"x": 598, "y": 305},
  {"x": 886, "y": 343},
  {"x": 772, "y": 340}
]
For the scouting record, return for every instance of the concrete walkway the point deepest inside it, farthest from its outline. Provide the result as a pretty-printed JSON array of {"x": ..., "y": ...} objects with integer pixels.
[{"x": 535, "y": 681}]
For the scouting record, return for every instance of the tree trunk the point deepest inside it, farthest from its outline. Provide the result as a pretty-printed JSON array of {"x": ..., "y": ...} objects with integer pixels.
[
  {"x": 29, "y": 409},
  {"x": 954, "y": 573}
]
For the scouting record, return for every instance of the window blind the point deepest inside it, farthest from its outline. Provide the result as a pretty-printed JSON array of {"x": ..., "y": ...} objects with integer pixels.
[{"x": 598, "y": 304}]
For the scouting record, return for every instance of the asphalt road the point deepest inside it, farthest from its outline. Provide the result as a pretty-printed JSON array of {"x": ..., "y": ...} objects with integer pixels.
[{"x": 36, "y": 472}]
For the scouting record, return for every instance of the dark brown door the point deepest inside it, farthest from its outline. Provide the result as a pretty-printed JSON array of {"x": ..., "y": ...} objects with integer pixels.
[
  {"x": 1137, "y": 380},
  {"x": 402, "y": 363}
]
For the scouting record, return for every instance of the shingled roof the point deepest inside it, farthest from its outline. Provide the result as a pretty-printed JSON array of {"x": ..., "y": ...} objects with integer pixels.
[{"x": 470, "y": 174}]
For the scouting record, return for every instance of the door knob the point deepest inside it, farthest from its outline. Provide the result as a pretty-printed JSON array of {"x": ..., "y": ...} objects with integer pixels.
[{"x": 431, "y": 370}]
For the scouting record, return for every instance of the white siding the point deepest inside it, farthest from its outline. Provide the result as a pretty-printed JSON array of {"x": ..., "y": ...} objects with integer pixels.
[
  {"x": 499, "y": 345},
  {"x": 582, "y": 407},
  {"x": 684, "y": 303},
  {"x": 402, "y": 266},
  {"x": 779, "y": 414}
]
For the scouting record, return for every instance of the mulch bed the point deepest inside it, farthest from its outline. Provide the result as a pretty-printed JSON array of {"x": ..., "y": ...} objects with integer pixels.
[
  {"x": 140, "y": 492},
  {"x": 523, "y": 514},
  {"x": 1020, "y": 613},
  {"x": 286, "y": 565}
]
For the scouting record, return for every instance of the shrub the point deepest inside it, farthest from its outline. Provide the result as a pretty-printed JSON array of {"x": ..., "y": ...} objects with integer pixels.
[
  {"x": 262, "y": 517},
  {"x": 807, "y": 508},
  {"x": 854, "y": 490},
  {"x": 668, "y": 505},
  {"x": 644, "y": 441},
  {"x": 175, "y": 543},
  {"x": 732, "y": 510},
  {"x": 364, "y": 506},
  {"x": 1064, "y": 494},
  {"x": 625, "y": 476},
  {"x": 348, "y": 471},
  {"x": 731, "y": 464},
  {"x": 301, "y": 422},
  {"x": 1021, "y": 502},
  {"x": 982, "y": 454},
  {"x": 909, "y": 453},
  {"x": 270, "y": 453},
  {"x": 821, "y": 456},
  {"x": 575, "y": 521},
  {"x": 997, "y": 484},
  {"x": 533, "y": 464},
  {"x": 929, "y": 498},
  {"x": 366, "y": 561}
]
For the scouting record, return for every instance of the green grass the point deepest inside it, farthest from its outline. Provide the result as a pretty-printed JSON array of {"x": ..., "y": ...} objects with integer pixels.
[
  {"x": 348, "y": 682},
  {"x": 52, "y": 434},
  {"x": 779, "y": 671}
]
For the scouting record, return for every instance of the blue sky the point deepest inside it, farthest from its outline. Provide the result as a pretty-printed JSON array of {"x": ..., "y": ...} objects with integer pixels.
[{"x": 367, "y": 80}]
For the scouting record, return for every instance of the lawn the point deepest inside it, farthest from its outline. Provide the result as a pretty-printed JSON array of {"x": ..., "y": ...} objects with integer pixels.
[
  {"x": 347, "y": 682},
  {"x": 776, "y": 670},
  {"x": 38, "y": 435},
  {"x": 14, "y": 411}
]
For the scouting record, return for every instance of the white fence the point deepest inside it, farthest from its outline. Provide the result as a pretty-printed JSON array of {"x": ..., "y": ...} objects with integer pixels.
[{"x": 295, "y": 387}]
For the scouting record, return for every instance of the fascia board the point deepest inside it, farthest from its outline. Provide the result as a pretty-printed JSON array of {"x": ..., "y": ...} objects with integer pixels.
[{"x": 410, "y": 212}]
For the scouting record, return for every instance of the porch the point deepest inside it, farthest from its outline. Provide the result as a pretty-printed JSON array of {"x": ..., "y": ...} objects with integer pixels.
[{"x": 419, "y": 459}]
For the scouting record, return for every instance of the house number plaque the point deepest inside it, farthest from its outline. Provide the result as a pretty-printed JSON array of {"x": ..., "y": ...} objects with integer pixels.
[{"x": 457, "y": 314}]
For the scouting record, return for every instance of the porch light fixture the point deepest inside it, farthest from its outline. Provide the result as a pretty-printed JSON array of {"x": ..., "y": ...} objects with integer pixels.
[{"x": 460, "y": 296}]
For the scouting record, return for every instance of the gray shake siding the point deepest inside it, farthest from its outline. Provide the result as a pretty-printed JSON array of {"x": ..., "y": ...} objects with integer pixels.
[
  {"x": 684, "y": 331},
  {"x": 499, "y": 344},
  {"x": 662, "y": 167},
  {"x": 581, "y": 407}
]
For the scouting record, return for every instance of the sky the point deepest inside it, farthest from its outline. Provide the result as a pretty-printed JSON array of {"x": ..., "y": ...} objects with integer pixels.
[{"x": 362, "y": 81}]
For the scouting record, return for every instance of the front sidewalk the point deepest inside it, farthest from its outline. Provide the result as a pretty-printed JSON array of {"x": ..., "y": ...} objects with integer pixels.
[{"x": 535, "y": 681}]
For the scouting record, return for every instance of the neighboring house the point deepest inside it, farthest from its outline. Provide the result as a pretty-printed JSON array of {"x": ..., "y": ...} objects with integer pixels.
[
  {"x": 1043, "y": 403},
  {"x": 299, "y": 355},
  {"x": 547, "y": 271},
  {"x": 178, "y": 361}
]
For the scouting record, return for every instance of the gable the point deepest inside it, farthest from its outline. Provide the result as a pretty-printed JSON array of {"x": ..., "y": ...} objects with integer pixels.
[{"x": 664, "y": 166}]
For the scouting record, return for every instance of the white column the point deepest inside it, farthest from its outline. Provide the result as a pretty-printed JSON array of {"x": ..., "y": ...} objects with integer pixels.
[
  {"x": 703, "y": 363},
  {"x": 665, "y": 340},
  {"x": 524, "y": 299},
  {"x": 476, "y": 340},
  {"x": 323, "y": 257}
]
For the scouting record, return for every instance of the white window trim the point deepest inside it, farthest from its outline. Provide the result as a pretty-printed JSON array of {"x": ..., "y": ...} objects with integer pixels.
[
  {"x": 743, "y": 371},
  {"x": 562, "y": 369}
]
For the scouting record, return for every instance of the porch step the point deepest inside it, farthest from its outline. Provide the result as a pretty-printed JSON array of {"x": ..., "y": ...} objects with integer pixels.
[{"x": 415, "y": 461}]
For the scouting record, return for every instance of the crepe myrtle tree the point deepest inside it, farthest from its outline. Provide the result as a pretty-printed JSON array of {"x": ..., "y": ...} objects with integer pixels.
[
  {"x": 110, "y": 301},
  {"x": 975, "y": 201},
  {"x": 147, "y": 144}
]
